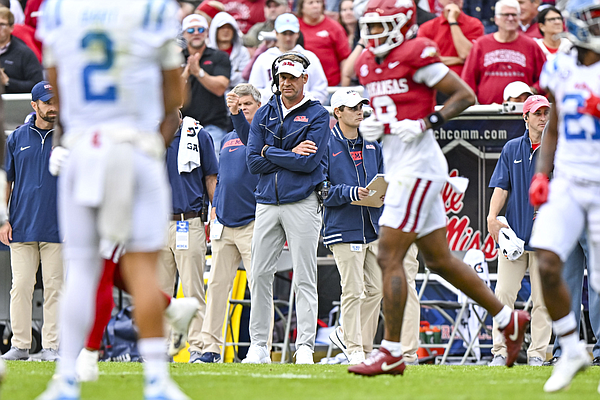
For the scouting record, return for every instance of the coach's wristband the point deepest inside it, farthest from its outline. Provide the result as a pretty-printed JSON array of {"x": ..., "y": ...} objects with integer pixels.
[{"x": 435, "y": 120}]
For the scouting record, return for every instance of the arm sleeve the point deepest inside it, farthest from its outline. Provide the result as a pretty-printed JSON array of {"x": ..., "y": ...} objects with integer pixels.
[
  {"x": 238, "y": 68},
  {"x": 9, "y": 163},
  {"x": 340, "y": 195},
  {"x": 241, "y": 126},
  {"x": 258, "y": 77},
  {"x": 318, "y": 133},
  {"x": 256, "y": 163},
  {"x": 431, "y": 74}
]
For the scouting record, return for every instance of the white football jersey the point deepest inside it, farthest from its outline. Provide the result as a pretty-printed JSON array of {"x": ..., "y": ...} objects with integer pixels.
[
  {"x": 109, "y": 55},
  {"x": 578, "y": 150}
]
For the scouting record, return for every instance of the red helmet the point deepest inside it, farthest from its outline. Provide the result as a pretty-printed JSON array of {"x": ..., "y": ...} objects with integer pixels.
[{"x": 398, "y": 18}]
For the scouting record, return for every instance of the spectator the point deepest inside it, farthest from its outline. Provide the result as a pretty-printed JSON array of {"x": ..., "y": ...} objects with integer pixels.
[
  {"x": 246, "y": 12},
  {"x": 192, "y": 183},
  {"x": 517, "y": 92},
  {"x": 483, "y": 10},
  {"x": 550, "y": 24},
  {"x": 502, "y": 57},
  {"x": 32, "y": 229},
  {"x": 510, "y": 181},
  {"x": 207, "y": 72},
  {"x": 286, "y": 147},
  {"x": 349, "y": 21},
  {"x": 27, "y": 34},
  {"x": 528, "y": 21},
  {"x": 273, "y": 9},
  {"x": 209, "y": 8},
  {"x": 232, "y": 218},
  {"x": 224, "y": 35},
  {"x": 454, "y": 32},
  {"x": 21, "y": 69},
  {"x": 288, "y": 28},
  {"x": 325, "y": 37}
]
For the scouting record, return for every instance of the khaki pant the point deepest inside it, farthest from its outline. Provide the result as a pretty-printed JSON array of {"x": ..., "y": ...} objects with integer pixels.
[
  {"x": 190, "y": 264},
  {"x": 510, "y": 275},
  {"x": 362, "y": 291},
  {"x": 25, "y": 260},
  {"x": 227, "y": 252}
]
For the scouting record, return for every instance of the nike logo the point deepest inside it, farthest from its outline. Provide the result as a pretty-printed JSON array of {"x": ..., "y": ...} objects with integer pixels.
[
  {"x": 230, "y": 150},
  {"x": 25, "y": 148},
  {"x": 518, "y": 161},
  {"x": 513, "y": 336},
  {"x": 271, "y": 119},
  {"x": 393, "y": 64},
  {"x": 336, "y": 154},
  {"x": 385, "y": 367}
]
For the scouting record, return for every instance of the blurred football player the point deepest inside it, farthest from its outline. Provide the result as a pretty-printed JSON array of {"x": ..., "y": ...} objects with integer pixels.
[
  {"x": 116, "y": 71},
  {"x": 570, "y": 202},
  {"x": 402, "y": 74}
]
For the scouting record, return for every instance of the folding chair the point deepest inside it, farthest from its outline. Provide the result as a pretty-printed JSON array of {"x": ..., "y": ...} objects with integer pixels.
[{"x": 283, "y": 264}]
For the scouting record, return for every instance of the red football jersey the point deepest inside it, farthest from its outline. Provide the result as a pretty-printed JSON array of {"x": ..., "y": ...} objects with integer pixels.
[{"x": 394, "y": 94}]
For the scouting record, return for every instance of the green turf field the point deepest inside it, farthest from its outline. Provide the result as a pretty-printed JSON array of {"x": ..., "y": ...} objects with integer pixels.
[{"x": 26, "y": 380}]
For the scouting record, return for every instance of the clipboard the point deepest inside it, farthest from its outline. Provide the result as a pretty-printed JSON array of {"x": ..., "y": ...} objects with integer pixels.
[{"x": 377, "y": 188}]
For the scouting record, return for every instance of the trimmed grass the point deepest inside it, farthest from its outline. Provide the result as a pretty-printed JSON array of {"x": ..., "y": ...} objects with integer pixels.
[{"x": 26, "y": 380}]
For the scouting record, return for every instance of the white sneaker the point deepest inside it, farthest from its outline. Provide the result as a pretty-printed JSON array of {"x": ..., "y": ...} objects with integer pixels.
[
  {"x": 61, "y": 389},
  {"x": 356, "y": 358},
  {"x": 180, "y": 314},
  {"x": 498, "y": 361},
  {"x": 567, "y": 367},
  {"x": 87, "y": 366},
  {"x": 304, "y": 355},
  {"x": 163, "y": 389},
  {"x": 257, "y": 355},
  {"x": 337, "y": 338}
]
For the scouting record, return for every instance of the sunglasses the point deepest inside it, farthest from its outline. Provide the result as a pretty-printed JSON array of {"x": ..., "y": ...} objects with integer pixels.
[{"x": 200, "y": 29}]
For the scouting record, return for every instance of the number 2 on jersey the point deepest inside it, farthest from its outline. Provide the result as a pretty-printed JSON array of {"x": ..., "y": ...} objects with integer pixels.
[
  {"x": 577, "y": 124},
  {"x": 98, "y": 39}
]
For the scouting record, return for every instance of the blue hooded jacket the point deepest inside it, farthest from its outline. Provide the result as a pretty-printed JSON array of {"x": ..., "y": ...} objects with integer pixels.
[
  {"x": 287, "y": 177},
  {"x": 344, "y": 222}
]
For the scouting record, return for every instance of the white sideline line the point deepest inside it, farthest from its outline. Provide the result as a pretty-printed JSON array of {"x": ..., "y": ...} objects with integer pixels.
[{"x": 234, "y": 373}]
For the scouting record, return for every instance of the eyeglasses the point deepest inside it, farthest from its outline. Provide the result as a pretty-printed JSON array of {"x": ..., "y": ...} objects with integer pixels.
[
  {"x": 200, "y": 29},
  {"x": 507, "y": 16},
  {"x": 555, "y": 19},
  {"x": 3, "y": 25}
]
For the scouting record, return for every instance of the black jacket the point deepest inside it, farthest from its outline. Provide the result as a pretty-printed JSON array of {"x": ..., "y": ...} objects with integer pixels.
[{"x": 22, "y": 67}]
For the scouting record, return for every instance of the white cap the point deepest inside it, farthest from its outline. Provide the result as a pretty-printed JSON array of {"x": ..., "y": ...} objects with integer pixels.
[
  {"x": 290, "y": 67},
  {"x": 193, "y": 20},
  {"x": 287, "y": 22},
  {"x": 348, "y": 98},
  {"x": 515, "y": 89}
]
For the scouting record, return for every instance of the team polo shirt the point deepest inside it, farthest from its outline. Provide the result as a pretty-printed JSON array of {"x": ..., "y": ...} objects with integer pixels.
[
  {"x": 188, "y": 188},
  {"x": 234, "y": 196},
  {"x": 33, "y": 212},
  {"x": 513, "y": 173},
  {"x": 440, "y": 32},
  {"x": 205, "y": 106}
]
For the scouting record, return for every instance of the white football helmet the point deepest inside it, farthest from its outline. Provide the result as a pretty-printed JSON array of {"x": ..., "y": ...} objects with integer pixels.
[{"x": 583, "y": 23}]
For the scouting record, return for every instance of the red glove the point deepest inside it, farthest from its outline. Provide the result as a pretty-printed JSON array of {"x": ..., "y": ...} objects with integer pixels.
[
  {"x": 538, "y": 190},
  {"x": 591, "y": 107}
]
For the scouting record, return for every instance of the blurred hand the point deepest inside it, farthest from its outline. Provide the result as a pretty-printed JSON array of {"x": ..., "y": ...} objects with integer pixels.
[
  {"x": 538, "y": 190},
  {"x": 371, "y": 129},
  {"x": 451, "y": 12},
  {"x": 591, "y": 107},
  {"x": 407, "y": 129},
  {"x": 194, "y": 64},
  {"x": 305, "y": 148},
  {"x": 6, "y": 233},
  {"x": 494, "y": 227},
  {"x": 58, "y": 156}
]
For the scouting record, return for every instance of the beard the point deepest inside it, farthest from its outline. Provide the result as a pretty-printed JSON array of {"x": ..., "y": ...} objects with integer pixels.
[{"x": 48, "y": 118}]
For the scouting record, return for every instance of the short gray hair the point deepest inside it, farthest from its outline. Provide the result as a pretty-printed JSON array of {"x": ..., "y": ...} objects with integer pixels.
[
  {"x": 506, "y": 3},
  {"x": 246, "y": 89}
]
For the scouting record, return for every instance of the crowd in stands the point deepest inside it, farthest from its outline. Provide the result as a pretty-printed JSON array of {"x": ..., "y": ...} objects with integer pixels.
[{"x": 493, "y": 48}]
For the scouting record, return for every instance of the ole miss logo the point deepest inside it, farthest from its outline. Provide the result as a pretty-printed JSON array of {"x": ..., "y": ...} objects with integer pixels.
[
  {"x": 301, "y": 118},
  {"x": 288, "y": 63}
]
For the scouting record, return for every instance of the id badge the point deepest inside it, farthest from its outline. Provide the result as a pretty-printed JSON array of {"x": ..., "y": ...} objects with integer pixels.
[
  {"x": 355, "y": 247},
  {"x": 182, "y": 235},
  {"x": 216, "y": 230}
]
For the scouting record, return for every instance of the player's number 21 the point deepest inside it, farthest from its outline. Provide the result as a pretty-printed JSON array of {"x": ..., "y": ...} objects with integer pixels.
[
  {"x": 110, "y": 92},
  {"x": 577, "y": 124}
]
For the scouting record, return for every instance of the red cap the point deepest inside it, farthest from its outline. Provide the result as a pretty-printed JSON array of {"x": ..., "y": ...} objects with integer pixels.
[
  {"x": 211, "y": 11},
  {"x": 534, "y": 103}
]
